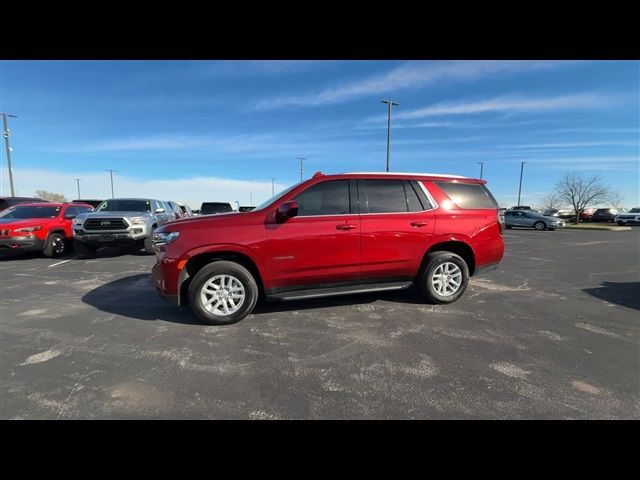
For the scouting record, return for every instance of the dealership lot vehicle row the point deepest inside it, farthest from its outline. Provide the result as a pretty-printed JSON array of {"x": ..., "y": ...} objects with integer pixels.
[{"x": 552, "y": 333}]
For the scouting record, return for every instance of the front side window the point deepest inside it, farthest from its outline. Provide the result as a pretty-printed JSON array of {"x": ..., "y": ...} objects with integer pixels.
[{"x": 326, "y": 198}]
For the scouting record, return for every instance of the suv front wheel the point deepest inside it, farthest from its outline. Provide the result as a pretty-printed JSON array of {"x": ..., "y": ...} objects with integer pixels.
[
  {"x": 444, "y": 277},
  {"x": 223, "y": 293}
]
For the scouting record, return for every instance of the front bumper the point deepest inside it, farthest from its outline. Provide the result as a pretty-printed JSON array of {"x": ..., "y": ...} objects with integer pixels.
[
  {"x": 21, "y": 244},
  {"x": 157, "y": 274}
]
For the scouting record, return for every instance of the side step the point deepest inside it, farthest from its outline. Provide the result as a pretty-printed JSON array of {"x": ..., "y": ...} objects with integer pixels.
[{"x": 334, "y": 291}]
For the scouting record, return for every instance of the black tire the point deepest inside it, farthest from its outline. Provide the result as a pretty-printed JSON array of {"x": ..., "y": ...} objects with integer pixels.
[
  {"x": 620, "y": 223},
  {"x": 83, "y": 250},
  {"x": 148, "y": 243},
  {"x": 540, "y": 226},
  {"x": 507, "y": 227},
  {"x": 56, "y": 245},
  {"x": 223, "y": 267},
  {"x": 425, "y": 284}
]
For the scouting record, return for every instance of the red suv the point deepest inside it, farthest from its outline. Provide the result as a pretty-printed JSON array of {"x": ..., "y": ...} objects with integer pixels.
[
  {"x": 40, "y": 227},
  {"x": 333, "y": 235}
]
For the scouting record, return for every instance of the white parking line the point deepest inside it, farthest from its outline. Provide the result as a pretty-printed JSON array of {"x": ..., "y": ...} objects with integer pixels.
[{"x": 59, "y": 263}]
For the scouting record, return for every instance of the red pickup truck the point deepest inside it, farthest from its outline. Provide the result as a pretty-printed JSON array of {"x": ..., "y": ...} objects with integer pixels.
[
  {"x": 333, "y": 235},
  {"x": 39, "y": 227}
]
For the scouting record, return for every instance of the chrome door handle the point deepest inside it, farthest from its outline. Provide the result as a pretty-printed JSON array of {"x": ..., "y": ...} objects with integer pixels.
[{"x": 345, "y": 227}]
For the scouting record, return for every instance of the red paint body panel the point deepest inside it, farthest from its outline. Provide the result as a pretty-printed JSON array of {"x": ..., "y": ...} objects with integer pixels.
[{"x": 308, "y": 251}]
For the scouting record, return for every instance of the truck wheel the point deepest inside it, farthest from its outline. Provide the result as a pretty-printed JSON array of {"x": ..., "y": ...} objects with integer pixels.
[
  {"x": 222, "y": 293},
  {"x": 83, "y": 250},
  {"x": 444, "y": 278},
  {"x": 148, "y": 243},
  {"x": 56, "y": 245}
]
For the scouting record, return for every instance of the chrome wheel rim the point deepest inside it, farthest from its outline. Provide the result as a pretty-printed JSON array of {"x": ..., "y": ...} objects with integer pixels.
[
  {"x": 539, "y": 226},
  {"x": 446, "y": 279},
  {"x": 58, "y": 246},
  {"x": 222, "y": 295}
]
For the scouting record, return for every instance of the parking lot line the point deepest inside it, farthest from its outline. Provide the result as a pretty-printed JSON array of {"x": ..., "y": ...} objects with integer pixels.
[{"x": 59, "y": 263}]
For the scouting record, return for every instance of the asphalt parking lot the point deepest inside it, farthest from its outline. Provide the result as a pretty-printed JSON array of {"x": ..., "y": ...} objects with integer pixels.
[{"x": 553, "y": 333}]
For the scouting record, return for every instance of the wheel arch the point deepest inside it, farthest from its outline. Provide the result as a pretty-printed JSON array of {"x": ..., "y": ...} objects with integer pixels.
[{"x": 458, "y": 247}]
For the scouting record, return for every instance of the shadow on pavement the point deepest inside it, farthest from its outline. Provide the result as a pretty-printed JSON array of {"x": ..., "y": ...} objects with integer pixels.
[
  {"x": 136, "y": 297},
  {"x": 626, "y": 294}
]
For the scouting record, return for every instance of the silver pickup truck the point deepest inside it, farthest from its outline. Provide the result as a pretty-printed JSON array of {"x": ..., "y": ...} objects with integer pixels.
[{"x": 128, "y": 221}]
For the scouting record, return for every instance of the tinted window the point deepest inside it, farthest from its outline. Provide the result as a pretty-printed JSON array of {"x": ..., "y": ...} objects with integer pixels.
[
  {"x": 21, "y": 211},
  {"x": 71, "y": 211},
  {"x": 208, "y": 208},
  {"x": 384, "y": 196},
  {"x": 82, "y": 209},
  {"x": 413, "y": 202},
  {"x": 468, "y": 195},
  {"x": 125, "y": 206},
  {"x": 327, "y": 198}
]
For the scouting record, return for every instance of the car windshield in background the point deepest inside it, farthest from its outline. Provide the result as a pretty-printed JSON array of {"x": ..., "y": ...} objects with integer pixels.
[
  {"x": 468, "y": 195},
  {"x": 634, "y": 210},
  {"x": 124, "y": 206},
  {"x": 212, "y": 207},
  {"x": 21, "y": 211}
]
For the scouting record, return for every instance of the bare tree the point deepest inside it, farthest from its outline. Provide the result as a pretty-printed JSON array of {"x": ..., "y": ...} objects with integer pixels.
[
  {"x": 615, "y": 200},
  {"x": 51, "y": 197},
  {"x": 581, "y": 192},
  {"x": 551, "y": 201}
]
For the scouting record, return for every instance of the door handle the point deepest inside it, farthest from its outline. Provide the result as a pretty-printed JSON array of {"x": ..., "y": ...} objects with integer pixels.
[
  {"x": 345, "y": 226},
  {"x": 419, "y": 224}
]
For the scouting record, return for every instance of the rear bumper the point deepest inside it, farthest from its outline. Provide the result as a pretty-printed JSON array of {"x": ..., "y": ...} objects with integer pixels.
[{"x": 21, "y": 244}]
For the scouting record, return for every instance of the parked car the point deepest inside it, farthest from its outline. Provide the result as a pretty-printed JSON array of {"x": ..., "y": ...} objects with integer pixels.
[
  {"x": 563, "y": 213},
  {"x": 186, "y": 210},
  {"x": 333, "y": 235},
  {"x": 93, "y": 202},
  {"x": 518, "y": 218},
  {"x": 245, "y": 208},
  {"x": 604, "y": 215},
  {"x": 632, "y": 216},
  {"x": 520, "y": 207},
  {"x": 587, "y": 214},
  {"x": 175, "y": 208},
  {"x": 39, "y": 227},
  {"x": 210, "y": 208},
  {"x": 120, "y": 221},
  {"x": 6, "y": 202}
]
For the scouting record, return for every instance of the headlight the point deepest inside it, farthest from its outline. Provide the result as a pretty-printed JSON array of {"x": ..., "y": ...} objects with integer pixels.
[
  {"x": 28, "y": 229},
  {"x": 78, "y": 221},
  {"x": 137, "y": 220},
  {"x": 162, "y": 238}
]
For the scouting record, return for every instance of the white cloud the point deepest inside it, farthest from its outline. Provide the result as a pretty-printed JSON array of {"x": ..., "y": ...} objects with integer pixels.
[
  {"x": 513, "y": 104},
  {"x": 409, "y": 75},
  {"x": 192, "y": 191}
]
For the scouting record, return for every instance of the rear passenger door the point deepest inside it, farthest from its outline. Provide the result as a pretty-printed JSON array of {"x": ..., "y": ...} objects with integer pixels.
[{"x": 397, "y": 223}]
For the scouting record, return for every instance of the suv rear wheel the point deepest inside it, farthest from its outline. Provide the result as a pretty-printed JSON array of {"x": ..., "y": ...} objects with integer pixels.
[
  {"x": 444, "y": 277},
  {"x": 223, "y": 293}
]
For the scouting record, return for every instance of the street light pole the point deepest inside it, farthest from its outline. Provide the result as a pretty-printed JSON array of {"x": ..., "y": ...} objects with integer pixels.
[
  {"x": 273, "y": 185},
  {"x": 111, "y": 172},
  {"x": 5, "y": 133},
  {"x": 389, "y": 103},
  {"x": 78, "y": 182},
  {"x": 302, "y": 159},
  {"x": 520, "y": 188},
  {"x": 481, "y": 166}
]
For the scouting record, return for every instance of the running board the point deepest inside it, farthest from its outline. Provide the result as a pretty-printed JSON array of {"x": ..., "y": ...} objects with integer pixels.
[{"x": 334, "y": 291}]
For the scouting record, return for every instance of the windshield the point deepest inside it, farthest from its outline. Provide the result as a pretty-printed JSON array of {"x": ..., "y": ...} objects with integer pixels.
[
  {"x": 634, "y": 210},
  {"x": 22, "y": 211},
  {"x": 124, "y": 206},
  {"x": 276, "y": 197}
]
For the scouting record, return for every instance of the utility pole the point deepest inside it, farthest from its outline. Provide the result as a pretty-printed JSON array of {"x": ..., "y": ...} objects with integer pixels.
[
  {"x": 302, "y": 159},
  {"x": 481, "y": 165},
  {"x": 520, "y": 189},
  {"x": 78, "y": 182},
  {"x": 111, "y": 172},
  {"x": 389, "y": 103},
  {"x": 273, "y": 186},
  {"x": 5, "y": 134}
]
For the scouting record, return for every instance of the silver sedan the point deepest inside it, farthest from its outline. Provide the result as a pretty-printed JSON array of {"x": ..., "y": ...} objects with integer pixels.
[{"x": 521, "y": 218}]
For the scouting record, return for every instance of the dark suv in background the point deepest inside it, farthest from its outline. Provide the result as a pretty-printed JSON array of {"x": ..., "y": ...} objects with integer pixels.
[
  {"x": 604, "y": 215},
  {"x": 210, "y": 208},
  {"x": 333, "y": 235},
  {"x": 6, "y": 202}
]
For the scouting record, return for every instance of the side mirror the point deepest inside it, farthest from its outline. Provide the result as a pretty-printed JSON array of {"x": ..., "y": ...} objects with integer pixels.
[
  {"x": 160, "y": 210},
  {"x": 286, "y": 210}
]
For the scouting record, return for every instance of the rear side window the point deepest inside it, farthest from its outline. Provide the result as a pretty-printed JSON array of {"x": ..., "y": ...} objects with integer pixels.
[
  {"x": 468, "y": 195},
  {"x": 326, "y": 198},
  {"x": 384, "y": 196}
]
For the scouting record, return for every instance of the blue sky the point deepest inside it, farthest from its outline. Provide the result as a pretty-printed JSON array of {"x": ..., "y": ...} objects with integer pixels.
[{"x": 221, "y": 130}]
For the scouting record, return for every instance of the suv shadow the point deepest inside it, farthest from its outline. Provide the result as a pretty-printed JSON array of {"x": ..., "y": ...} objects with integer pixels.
[
  {"x": 626, "y": 294},
  {"x": 135, "y": 297}
]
